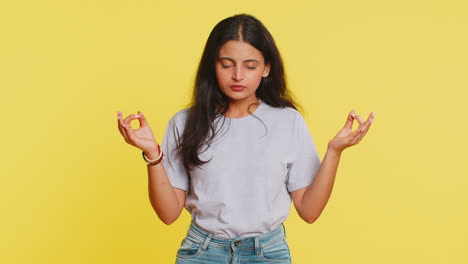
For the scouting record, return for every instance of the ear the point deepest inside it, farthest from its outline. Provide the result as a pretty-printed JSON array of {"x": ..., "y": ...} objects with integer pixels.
[{"x": 266, "y": 71}]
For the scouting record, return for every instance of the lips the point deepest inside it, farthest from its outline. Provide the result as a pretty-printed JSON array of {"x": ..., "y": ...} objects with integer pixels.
[{"x": 237, "y": 88}]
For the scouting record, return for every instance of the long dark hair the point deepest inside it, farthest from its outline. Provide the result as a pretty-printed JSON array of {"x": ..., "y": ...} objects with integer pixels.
[{"x": 208, "y": 102}]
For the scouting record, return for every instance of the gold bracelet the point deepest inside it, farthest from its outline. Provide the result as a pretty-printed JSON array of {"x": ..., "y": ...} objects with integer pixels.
[{"x": 155, "y": 161}]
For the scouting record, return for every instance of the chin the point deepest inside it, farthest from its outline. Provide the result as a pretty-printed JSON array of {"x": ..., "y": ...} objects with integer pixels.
[{"x": 237, "y": 97}]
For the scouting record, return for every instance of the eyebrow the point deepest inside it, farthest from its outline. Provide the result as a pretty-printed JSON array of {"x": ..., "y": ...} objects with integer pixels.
[{"x": 231, "y": 59}]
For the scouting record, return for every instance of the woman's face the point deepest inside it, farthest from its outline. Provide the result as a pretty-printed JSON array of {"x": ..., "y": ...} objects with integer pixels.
[{"x": 239, "y": 70}]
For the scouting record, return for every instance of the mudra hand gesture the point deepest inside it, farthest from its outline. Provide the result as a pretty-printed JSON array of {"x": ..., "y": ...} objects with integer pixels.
[
  {"x": 346, "y": 137},
  {"x": 141, "y": 137}
]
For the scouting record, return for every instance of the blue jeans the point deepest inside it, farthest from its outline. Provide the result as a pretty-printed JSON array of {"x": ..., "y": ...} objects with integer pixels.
[{"x": 200, "y": 246}]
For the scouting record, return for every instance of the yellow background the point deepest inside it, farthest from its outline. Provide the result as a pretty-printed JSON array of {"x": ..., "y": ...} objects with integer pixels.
[{"x": 72, "y": 191}]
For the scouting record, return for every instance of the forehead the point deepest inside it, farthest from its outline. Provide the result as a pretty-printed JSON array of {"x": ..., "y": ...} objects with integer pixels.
[{"x": 240, "y": 51}]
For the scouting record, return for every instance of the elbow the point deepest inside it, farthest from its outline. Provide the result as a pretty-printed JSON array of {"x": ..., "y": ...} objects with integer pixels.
[
  {"x": 169, "y": 217},
  {"x": 310, "y": 219},
  {"x": 166, "y": 216},
  {"x": 168, "y": 220}
]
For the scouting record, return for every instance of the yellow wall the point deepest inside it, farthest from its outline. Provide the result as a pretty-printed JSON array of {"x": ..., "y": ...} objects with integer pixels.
[{"x": 72, "y": 191}]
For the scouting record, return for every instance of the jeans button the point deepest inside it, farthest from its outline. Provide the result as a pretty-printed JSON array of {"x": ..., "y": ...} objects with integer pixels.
[{"x": 236, "y": 243}]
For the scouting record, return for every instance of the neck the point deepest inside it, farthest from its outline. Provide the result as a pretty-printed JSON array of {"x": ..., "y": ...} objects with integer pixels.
[{"x": 241, "y": 108}]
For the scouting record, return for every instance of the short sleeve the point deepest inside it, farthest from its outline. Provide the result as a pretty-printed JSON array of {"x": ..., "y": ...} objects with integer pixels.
[
  {"x": 306, "y": 163},
  {"x": 172, "y": 163}
]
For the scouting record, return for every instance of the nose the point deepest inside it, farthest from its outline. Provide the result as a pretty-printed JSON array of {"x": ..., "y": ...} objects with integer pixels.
[{"x": 238, "y": 74}]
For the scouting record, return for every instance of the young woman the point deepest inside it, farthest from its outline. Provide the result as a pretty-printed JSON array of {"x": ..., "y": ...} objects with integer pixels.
[{"x": 238, "y": 156}]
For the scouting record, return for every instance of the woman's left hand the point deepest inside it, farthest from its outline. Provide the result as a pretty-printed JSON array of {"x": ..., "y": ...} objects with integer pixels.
[{"x": 346, "y": 137}]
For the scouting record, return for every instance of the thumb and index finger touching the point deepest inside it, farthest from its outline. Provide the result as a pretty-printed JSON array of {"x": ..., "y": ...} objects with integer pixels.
[
  {"x": 352, "y": 115},
  {"x": 125, "y": 128},
  {"x": 125, "y": 123}
]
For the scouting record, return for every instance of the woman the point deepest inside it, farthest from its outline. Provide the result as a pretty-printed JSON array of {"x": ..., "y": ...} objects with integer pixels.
[{"x": 238, "y": 156}]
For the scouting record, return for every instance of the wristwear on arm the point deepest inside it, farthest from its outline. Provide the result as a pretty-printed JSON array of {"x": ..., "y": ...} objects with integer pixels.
[{"x": 154, "y": 161}]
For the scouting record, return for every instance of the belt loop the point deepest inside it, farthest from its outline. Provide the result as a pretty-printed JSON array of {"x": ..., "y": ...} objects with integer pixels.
[
  {"x": 257, "y": 246},
  {"x": 284, "y": 229},
  {"x": 207, "y": 241}
]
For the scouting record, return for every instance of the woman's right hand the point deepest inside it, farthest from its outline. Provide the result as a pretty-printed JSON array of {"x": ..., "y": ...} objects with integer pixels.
[{"x": 141, "y": 137}]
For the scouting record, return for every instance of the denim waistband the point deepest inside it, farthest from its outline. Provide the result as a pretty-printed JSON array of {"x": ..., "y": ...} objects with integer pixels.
[{"x": 254, "y": 242}]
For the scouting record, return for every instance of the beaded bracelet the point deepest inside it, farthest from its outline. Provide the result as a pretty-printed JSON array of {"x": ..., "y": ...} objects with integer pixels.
[{"x": 155, "y": 161}]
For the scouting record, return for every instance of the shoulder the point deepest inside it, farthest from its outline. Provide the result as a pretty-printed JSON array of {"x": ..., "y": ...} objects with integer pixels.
[
  {"x": 175, "y": 125},
  {"x": 179, "y": 118}
]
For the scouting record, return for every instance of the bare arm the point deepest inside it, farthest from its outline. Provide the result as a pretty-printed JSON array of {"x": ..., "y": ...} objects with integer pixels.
[
  {"x": 311, "y": 200},
  {"x": 166, "y": 200}
]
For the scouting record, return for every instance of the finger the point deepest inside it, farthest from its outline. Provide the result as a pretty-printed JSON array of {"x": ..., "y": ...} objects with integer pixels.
[
  {"x": 125, "y": 123},
  {"x": 359, "y": 119},
  {"x": 363, "y": 135},
  {"x": 123, "y": 131},
  {"x": 370, "y": 119},
  {"x": 128, "y": 131},
  {"x": 142, "y": 119},
  {"x": 120, "y": 119},
  {"x": 120, "y": 123},
  {"x": 360, "y": 135},
  {"x": 124, "y": 134},
  {"x": 129, "y": 119},
  {"x": 368, "y": 122},
  {"x": 365, "y": 125},
  {"x": 363, "y": 130},
  {"x": 349, "y": 120},
  {"x": 122, "y": 128},
  {"x": 357, "y": 136},
  {"x": 353, "y": 135}
]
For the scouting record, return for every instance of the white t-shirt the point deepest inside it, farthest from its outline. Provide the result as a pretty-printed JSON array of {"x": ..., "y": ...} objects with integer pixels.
[{"x": 255, "y": 162}]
